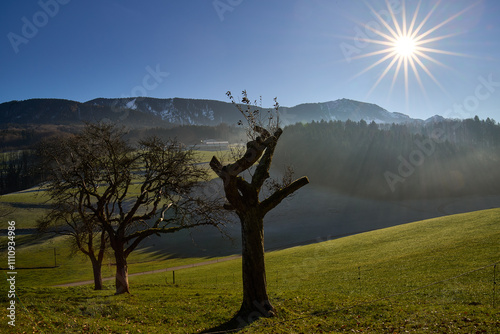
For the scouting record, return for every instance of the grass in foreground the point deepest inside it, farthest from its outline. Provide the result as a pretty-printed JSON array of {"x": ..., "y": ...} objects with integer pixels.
[{"x": 353, "y": 284}]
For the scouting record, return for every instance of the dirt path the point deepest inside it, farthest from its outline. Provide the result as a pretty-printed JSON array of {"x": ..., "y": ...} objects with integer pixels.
[{"x": 199, "y": 264}]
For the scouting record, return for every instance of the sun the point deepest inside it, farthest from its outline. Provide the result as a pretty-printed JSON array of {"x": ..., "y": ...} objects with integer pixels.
[{"x": 407, "y": 45}]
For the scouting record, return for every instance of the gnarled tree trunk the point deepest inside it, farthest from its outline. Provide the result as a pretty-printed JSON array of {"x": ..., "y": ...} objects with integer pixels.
[
  {"x": 121, "y": 279},
  {"x": 96, "y": 268},
  {"x": 255, "y": 299},
  {"x": 243, "y": 198}
]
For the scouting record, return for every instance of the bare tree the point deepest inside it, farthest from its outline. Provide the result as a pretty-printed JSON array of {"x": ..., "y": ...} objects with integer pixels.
[
  {"x": 62, "y": 160},
  {"x": 129, "y": 194},
  {"x": 243, "y": 198},
  {"x": 85, "y": 233}
]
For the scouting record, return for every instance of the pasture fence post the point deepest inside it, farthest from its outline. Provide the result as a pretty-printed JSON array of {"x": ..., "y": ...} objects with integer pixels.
[{"x": 494, "y": 284}]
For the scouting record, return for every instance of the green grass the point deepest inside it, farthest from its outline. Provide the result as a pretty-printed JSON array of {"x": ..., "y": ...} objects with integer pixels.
[
  {"x": 48, "y": 269},
  {"x": 406, "y": 278},
  {"x": 206, "y": 156},
  {"x": 34, "y": 195},
  {"x": 24, "y": 207}
]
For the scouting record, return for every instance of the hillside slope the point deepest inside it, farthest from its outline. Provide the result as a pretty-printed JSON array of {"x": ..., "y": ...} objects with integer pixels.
[
  {"x": 432, "y": 276},
  {"x": 153, "y": 112}
]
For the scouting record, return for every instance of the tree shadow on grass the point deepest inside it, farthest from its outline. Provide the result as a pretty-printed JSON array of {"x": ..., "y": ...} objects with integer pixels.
[
  {"x": 234, "y": 325},
  {"x": 239, "y": 321}
]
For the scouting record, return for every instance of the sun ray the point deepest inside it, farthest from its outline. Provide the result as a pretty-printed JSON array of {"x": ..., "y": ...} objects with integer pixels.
[
  {"x": 368, "y": 27},
  {"x": 410, "y": 30},
  {"x": 404, "y": 19},
  {"x": 433, "y": 9},
  {"x": 421, "y": 48},
  {"x": 394, "y": 21},
  {"x": 431, "y": 30},
  {"x": 433, "y": 78},
  {"x": 435, "y": 61},
  {"x": 378, "y": 32},
  {"x": 382, "y": 76},
  {"x": 438, "y": 38},
  {"x": 392, "y": 32},
  {"x": 374, "y": 64},
  {"x": 406, "y": 42},
  {"x": 400, "y": 61},
  {"x": 417, "y": 75},
  {"x": 375, "y": 41},
  {"x": 374, "y": 53}
]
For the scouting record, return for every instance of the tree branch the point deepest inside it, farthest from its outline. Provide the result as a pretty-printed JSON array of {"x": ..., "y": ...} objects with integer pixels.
[
  {"x": 272, "y": 201},
  {"x": 262, "y": 170}
]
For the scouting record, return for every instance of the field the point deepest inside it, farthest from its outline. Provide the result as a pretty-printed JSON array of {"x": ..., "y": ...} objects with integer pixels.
[{"x": 432, "y": 276}]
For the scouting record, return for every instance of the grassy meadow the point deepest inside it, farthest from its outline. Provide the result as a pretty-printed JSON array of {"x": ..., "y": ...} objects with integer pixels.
[{"x": 433, "y": 276}]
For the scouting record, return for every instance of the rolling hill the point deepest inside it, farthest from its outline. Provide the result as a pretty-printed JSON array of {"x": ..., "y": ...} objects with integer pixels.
[
  {"x": 429, "y": 276},
  {"x": 153, "y": 112}
]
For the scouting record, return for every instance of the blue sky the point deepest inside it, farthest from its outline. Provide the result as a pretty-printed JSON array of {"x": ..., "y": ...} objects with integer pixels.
[{"x": 301, "y": 51}]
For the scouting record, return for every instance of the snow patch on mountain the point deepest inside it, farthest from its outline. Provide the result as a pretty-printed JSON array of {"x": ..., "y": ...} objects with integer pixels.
[
  {"x": 131, "y": 105},
  {"x": 208, "y": 113}
]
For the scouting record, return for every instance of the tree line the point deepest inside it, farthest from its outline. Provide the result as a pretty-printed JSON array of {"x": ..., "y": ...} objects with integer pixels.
[
  {"x": 397, "y": 161},
  {"x": 18, "y": 171}
]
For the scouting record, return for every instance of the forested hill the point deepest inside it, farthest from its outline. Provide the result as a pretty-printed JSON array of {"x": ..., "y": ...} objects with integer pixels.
[
  {"x": 450, "y": 158},
  {"x": 152, "y": 112}
]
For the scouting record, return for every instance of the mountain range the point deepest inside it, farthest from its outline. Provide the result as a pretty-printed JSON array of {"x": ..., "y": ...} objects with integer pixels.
[{"x": 154, "y": 112}]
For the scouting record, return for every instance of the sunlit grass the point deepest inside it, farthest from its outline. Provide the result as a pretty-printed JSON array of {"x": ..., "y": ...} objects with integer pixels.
[{"x": 353, "y": 284}]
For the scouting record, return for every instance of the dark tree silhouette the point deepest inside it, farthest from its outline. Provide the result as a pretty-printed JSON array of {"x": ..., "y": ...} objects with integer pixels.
[
  {"x": 243, "y": 198},
  {"x": 84, "y": 231},
  {"x": 124, "y": 193}
]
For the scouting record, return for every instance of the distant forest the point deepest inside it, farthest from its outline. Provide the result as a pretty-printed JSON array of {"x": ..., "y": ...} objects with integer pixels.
[
  {"x": 398, "y": 161},
  {"x": 448, "y": 158}
]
